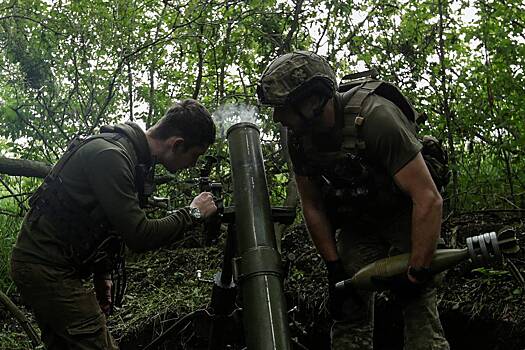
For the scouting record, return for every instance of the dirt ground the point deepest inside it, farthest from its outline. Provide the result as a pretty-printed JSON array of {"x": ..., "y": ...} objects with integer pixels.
[{"x": 481, "y": 309}]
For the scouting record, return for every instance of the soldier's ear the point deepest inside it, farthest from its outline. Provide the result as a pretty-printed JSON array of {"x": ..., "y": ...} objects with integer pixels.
[
  {"x": 175, "y": 142},
  {"x": 310, "y": 108}
]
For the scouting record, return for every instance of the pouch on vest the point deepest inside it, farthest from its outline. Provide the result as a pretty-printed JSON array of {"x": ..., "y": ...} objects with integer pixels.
[{"x": 364, "y": 84}]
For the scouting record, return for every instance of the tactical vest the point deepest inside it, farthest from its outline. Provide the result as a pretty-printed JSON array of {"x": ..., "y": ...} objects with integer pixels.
[
  {"x": 360, "y": 86},
  {"x": 351, "y": 185},
  {"x": 89, "y": 241}
]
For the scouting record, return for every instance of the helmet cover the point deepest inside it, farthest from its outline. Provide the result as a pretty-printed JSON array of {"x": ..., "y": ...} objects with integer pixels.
[{"x": 290, "y": 73}]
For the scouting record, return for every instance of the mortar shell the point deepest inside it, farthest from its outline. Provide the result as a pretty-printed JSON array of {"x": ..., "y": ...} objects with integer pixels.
[{"x": 396, "y": 265}]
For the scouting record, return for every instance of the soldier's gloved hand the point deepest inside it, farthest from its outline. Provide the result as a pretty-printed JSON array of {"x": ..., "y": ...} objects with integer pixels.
[
  {"x": 205, "y": 203},
  {"x": 400, "y": 285},
  {"x": 336, "y": 297},
  {"x": 103, "y": 286}
]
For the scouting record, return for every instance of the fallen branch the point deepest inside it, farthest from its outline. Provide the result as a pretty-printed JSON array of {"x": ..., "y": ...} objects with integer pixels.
[
  {"x": 20, "y": 317},
  {"x": 23, "y": 167},
  {"x": 488, "y": 211},
  {"x": 34, "y": 168}
]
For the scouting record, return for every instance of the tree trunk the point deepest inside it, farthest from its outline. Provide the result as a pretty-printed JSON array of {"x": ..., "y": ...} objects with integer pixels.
[
  {"x": 24, "y": 167},
  {"x": 445, "y": 107},
  {"x": 292, "y": 196}
]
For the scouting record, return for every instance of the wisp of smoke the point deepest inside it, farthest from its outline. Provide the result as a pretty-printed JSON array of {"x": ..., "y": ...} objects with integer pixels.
[{"x": 230, "y": 114}]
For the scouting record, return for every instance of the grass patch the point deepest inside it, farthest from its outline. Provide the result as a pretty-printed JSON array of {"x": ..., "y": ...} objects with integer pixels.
[
  {"x": 162, "y": 286},
  {"x": 9, "y": 226}
]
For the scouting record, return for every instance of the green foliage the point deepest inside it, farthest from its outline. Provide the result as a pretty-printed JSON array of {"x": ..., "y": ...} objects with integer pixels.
[
  {"x": 70, "y": 67},
  {"x": 9, "y": 229},
  {"x": 488, "y": 273}
]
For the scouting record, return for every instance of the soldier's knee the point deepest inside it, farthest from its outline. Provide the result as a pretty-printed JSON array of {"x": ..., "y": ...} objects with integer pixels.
[
  {"x": 91, "y": 333},
  {"x": 352, "y": 335}
]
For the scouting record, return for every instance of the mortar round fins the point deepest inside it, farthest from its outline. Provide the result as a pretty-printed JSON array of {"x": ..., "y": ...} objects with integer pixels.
[{"x": 508, "y": 243}]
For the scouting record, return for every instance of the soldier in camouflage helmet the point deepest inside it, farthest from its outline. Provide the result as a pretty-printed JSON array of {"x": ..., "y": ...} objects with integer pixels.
[{"x": 380, "y": 199}]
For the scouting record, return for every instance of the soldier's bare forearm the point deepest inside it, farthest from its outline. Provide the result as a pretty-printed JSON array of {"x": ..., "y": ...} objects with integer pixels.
[
  {"x": 426, "y": 227},
  {"x": 317, "y": 222},
  {"x": 320, "y": 231}
]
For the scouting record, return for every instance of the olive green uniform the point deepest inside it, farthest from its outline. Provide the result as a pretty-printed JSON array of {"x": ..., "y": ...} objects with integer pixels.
[
  {"x": 99, "y": 178},
  {"x": 376, "y": 223}
]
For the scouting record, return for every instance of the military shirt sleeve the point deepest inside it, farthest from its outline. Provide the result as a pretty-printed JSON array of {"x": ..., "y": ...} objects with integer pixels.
[
  {"x": 111, "y": 178},
  {"x": 389, "y": 139}
]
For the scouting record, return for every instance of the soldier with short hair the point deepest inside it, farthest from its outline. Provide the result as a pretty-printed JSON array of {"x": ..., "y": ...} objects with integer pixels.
[
  {"x": 89, "y": 207},
  {"x": 359, "y": 169}
]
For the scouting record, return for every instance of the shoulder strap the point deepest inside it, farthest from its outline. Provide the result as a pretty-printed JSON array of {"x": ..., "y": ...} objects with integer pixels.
[
  {"x": 353, "y": 120},
  {"x": 78, "y": 142},
  {"x": 143, "y": 173},
  {"x": 53, "y": 177},
  {"x": 144, "y": 165}
]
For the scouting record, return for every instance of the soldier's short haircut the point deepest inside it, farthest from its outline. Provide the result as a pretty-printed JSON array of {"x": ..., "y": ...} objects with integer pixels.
[{"x": 188, "y": 119}]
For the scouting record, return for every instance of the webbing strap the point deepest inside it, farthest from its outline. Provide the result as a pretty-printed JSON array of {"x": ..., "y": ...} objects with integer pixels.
[
  {"x": 353, "y": 120},
  {"x": 52, "y": 180},
  {"x": 76, "y": 144}
]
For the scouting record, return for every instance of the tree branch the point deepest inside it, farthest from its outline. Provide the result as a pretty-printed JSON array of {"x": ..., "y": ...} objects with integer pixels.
[
  {"x": 31, "y": 20},
  {"x": 23, "y": 167},
  {"x": 128, "y": 56},
  {"x": 287, "y": 44}
]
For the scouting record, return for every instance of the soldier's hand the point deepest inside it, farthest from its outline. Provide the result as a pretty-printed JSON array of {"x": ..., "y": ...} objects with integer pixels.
[
  {"x": 103, "y": 288},
  {"x": 400, "y": 285},
  {"x": 205, "y": 203},
  {"x": 336, "y": 297}
]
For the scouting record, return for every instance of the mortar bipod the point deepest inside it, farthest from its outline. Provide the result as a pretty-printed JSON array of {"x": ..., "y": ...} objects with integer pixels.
[{"x": 224, "y": 312}]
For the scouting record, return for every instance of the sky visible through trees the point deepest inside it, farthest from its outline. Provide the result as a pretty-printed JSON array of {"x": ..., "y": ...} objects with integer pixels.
[{"x": 70, "y": 67}]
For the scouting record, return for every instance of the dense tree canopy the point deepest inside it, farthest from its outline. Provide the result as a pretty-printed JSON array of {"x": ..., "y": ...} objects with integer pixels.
[{"x": 70, "y": 67}]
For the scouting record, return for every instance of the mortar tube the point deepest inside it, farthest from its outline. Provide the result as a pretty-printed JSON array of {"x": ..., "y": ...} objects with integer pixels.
[{"x": 258, "y": 263}]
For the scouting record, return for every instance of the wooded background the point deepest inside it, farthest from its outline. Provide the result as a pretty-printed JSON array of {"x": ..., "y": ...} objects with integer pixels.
[{"x": 69, "y": 67}]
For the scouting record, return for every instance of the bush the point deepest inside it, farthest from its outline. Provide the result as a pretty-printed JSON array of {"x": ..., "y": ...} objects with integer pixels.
[{"x": 9, "y": 225}]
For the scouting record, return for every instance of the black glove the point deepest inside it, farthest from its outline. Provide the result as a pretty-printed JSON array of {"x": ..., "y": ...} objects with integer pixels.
[
  {"x": 400, "y": 285},
  {"x": 336, "y": 298}
]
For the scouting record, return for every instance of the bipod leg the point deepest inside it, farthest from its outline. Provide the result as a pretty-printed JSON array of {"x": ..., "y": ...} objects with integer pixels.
[{"x": 224, "y": 294}]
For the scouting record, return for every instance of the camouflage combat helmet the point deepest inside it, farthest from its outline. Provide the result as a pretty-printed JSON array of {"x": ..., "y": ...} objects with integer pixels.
[{"x": 295, "y": 75}]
